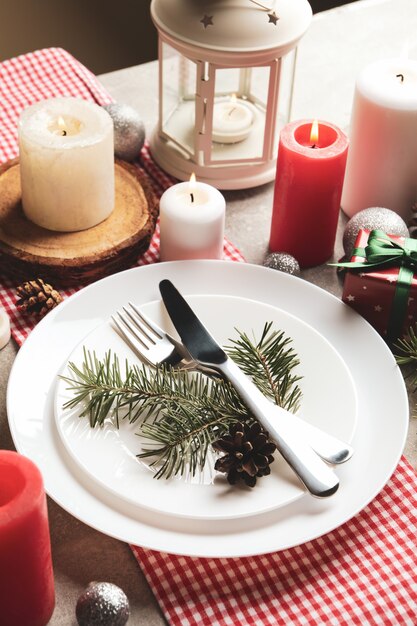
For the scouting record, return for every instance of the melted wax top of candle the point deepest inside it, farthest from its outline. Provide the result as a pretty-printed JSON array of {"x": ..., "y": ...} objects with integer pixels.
[
  {"x": 193, "y": 196},
  {"x": 65, "y": 126},
  {"x": 325, "y": 137}
]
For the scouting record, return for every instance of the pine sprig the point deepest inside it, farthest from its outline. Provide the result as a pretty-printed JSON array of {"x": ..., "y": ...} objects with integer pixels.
[
  {"x": 406, "y": 354},
  {"x": 270, "y": 363},
  {"x": 187, "y": 452},
  {"x": 180, "y": 414},
  {"x": 103, "y": 392}
]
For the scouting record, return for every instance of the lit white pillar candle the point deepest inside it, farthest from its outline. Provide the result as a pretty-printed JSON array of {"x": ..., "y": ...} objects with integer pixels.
[
  {"x": 382, "y": 160},
  {"x": 232, "y": 120},
  {"x": 192, "y": 216},
  {"x": 66, "y": 164},
  {"x": 4, "y": 328}
]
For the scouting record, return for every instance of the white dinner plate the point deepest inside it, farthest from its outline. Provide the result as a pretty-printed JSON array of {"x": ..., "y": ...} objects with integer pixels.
[
  {"x": 109, "y": 455},
  {"x": 378, "y": 440}
]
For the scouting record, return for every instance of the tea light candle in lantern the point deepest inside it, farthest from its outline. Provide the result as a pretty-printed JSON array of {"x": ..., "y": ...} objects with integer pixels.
[
  {"x": 192, "y": 216},
  {"x": 4, "y": 328},
  {"x": 66, "y": 164},
  {"x": 26, "y": 578},
  {"x": 308, "y": 187},
  {"x": 381, "y": 168},
  {"x": 232, "y": 120}
]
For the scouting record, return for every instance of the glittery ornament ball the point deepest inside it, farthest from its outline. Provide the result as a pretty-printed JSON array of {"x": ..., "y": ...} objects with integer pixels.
[
  {"x": 102, "y": 604},
  {"x": 282, "y": 262},
  {"x": 375, "y": 218},
  {"x": 129, "y": 131}
]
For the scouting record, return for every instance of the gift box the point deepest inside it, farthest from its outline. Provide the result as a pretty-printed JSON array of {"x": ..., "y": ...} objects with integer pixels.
[{"x": 381, "y": 282}]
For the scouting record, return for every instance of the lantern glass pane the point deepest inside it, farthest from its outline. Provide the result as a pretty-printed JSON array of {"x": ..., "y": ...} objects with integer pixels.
[
  {"x": 257, "y": 85},
  {"x": 178, "y": 97},
  {"x": 227, "y": 81},
  {"x": 239, "y": 114},
  {"x": 286, "y": 87}
]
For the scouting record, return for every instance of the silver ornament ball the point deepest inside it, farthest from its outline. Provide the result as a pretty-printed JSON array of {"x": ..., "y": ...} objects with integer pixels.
[
  {"x": 129, "y": 131},
  {"x": 282, "y": 262},
  {"x": 374, "y": 218},
  {"x": 102, "y": 604}
]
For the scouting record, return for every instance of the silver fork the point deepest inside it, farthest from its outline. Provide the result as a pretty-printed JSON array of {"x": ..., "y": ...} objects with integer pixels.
[
  {"x": 151, "y": 343},
  {"x": 156, "y": 347}
]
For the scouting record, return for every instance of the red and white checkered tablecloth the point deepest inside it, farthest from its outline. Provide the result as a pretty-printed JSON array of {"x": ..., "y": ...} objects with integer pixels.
[{"x": 363, "y": 573}]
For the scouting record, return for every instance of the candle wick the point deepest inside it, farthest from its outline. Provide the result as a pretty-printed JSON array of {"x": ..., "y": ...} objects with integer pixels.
[
  {"x": 231, "y": 111},
  {"x": 314, "y": 145},
  {"x": 192, "y": 197},
  {"x": 64, "y": 133},
  {"x": 400, "y": 76}
]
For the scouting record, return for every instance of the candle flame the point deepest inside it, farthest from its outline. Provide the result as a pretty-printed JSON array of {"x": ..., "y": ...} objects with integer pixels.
[
  {"x": 192, "y": 182},
  {"x": 62, "y": 126},
  {"x": 314, "y": 134},
  {"x": 233, "y": 98}
]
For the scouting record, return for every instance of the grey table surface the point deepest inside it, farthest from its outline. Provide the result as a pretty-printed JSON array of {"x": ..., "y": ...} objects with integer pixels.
[{"x": 338, "y": 44}]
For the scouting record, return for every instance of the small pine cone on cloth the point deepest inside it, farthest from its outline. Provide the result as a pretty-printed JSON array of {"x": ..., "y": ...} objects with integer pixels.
[
  {"x": 248, "y": 453},
  {"x": 37, "y": 297}
]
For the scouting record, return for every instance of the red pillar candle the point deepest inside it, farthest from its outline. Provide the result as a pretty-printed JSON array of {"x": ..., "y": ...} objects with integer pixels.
[
  {"x": 308, "y": 188},
  {"x": 26, "y": 579}
]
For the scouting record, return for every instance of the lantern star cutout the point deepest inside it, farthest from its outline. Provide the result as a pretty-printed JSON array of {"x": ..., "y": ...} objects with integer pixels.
[
  {"x": 207, "y": 21},
  {"x": 273, "y": 18}
]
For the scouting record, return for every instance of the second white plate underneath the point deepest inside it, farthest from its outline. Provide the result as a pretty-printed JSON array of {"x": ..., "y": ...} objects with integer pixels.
[{"x": 109, "y": 456}]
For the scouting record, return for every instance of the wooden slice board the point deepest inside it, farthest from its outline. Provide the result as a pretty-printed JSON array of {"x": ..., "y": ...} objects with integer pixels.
[{"x": 28, "y": 251}]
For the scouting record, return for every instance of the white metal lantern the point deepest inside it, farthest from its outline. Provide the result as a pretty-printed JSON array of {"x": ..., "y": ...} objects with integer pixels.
[{"x": 226, "y": 70}]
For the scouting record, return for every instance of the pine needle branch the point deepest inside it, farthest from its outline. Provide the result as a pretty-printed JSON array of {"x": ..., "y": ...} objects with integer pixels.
[
  {"x": 406, "y": 354},
  {"x": 269, "y": 362},
  {"x": 180, "y": 414},
  {"x": 187, "y": 451}
]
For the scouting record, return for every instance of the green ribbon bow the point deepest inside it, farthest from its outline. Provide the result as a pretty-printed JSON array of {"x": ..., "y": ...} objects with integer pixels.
[{"x": 381, "y": 252}]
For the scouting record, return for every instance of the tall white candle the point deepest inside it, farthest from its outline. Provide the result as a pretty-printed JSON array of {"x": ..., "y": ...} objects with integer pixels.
[
  {"x": 192, "y": 216},
  {"x": 66, "y": 164},
  {"x": 382, "y": 160}
]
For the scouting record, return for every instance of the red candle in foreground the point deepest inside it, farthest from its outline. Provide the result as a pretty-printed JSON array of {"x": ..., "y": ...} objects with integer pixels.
[
  {"x": 26, "y": 579},
  {"x": 308, "y": 188}
]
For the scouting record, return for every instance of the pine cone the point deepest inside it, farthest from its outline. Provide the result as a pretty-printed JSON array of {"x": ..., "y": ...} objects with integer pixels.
[
  {"x": 37, "y": 297},
  {"x": 248, "y": 453}
]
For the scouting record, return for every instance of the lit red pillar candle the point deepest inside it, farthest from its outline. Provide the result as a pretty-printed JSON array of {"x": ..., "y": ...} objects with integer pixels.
[
  {"x": 308, "y": 187},
  {"x": 26, "y": 578}
]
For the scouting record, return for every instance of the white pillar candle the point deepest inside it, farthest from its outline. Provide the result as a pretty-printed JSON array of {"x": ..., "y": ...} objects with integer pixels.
[
  {"x": 66, "y": 164},
  {"x": 4, "y": 328},
  {"x": 192, "y": 216},
  {"x": 382, "y": 160},
  {"x": 232, "y": 120}
]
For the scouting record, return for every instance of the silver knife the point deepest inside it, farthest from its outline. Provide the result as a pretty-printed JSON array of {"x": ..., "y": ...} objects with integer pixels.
[
  {"x": 318, "y": 477},
  {"x": 328, "y": 447}
]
